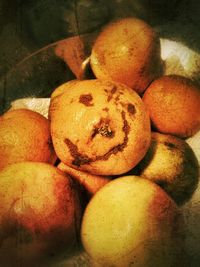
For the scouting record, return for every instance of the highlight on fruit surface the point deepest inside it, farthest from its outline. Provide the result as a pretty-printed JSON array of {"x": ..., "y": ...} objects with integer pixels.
[
  {"x": 127, "y": 51},
  {"x": 131, "y": 222},
  {"x": 171, "y": 163},
  {"x": 100, "y": 127},
  {"x": 40, "y": 214},
  {"x": 173, "y": 103},
  {"x": 25, "y": 136}
]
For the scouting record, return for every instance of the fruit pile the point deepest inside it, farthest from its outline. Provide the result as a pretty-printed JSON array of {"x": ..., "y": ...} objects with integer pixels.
[{"x": 109, "y": 168}]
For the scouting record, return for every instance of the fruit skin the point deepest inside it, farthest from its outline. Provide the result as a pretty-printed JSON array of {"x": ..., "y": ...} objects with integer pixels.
[
  {"x": 172, "y": 164},
  {"x": 39, "y": 214},
  {"x": 100, "y": 127},
  {"x": 75, "y": 51},
  {"x": 25, "y": 136},
  {"x": 63, "y": 87},
  {"x": 127, "y": 51},
  {"x": 173, "y": 103},
  {"x": 91, "y": 183},
  {"x": 131, "y": 222}
]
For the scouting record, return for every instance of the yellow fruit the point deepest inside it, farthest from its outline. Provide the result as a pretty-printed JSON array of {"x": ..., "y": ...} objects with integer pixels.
[
  {"x": 25, "y": 136},
  {"x": 99, "y": 127},
  {"x": 63, "y": 87},
  {"x": 171, "y": 163},
  {"x": 131, "y": 222},
  {"x": 58, "y": 92},
  {"x": 39, "y": 214},
  {"x": 173, "y": 103},
  {"x": 127, "y": 51}
]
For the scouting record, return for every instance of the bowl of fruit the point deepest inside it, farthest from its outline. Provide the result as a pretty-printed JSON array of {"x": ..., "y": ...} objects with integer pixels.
[{"x": 99, "y": 152}]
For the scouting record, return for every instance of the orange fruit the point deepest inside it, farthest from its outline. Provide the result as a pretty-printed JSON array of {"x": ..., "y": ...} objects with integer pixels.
[
  {"x": 99, "y": 127},
  {"x": 63, "y": 87},
  {"x": 25, "y": 136},
  {"x": 173, "y": 103},
  {"x": 91, "y": 183},
  {"x": 40, "y": 214},
  {"x": 127, "y": 51}
]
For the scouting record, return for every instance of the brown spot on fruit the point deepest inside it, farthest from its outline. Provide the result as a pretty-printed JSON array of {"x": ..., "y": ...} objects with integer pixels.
[
  {"x": 105, "y": 109},
  {"x": 111, "y": 93},
  {"x": 131, "y": 109},
  {"x": 86, "y": 99},
  {"x": 103, "y": 129},
  {"x": 81, "y": 159},
  {"x": 95, "y": 141},
  {"x": 119, "y": 147},
  {"x": 170, "y": 145}
]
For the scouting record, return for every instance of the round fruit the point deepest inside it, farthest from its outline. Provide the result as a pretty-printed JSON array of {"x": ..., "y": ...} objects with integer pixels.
[
  {"x": 127, "y": 51},
  {"x": 173, "y": 103},
  {"x": 131, "y": 222},
  {"x": 100, "y": 127},
  {"x": 25, "y": 136},
  {"x": 171, "y": 163},
  {"x": 39, "y": 214}
]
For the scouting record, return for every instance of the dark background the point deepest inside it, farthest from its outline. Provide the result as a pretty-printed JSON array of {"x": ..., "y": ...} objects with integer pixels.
[{"x": 27, "y": 25}]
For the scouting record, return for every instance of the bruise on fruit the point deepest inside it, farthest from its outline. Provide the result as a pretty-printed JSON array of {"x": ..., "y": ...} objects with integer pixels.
[
  {"x": 86, "y": 100},
  {"x": 81, "y": 159},
  {"x": 170, "y": 145},
  {"x": 111, "y": 93},
  {"x": 117, "y": 99},
  {"x": 161, "y": 206},
  {"x": 131, "y": 109},
  {"x": 103, "y": 129},
  {"x": 105, "y": 109},
  {"x": 120, "y": 147}
]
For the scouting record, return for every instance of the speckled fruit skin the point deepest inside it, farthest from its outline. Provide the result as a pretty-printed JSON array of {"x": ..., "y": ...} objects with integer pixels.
[
  {"x": 173, "y": 103},
  {"x": 100, "y": 127},
  {"x": 171, "y": 163},
  {"x": 39, "y": 214},
  {"x": 131, "y": 222},
  {"x": 25, "y": 136},
  {"x": 127, "y": 51}
]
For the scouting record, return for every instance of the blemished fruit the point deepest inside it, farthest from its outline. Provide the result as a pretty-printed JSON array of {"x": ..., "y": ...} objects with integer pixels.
[
  {"x": 39, "y": 214},
  {"x": 127, "y": 51},
  {"x": 172, "y": 164},
  {"x": 100, "y": 127},
  {"x": 25, "y": 136},
  {"x": 173, "y": 103},
  {"x": 131, "y": 222},
  {"x": 91, "y": 183}
]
